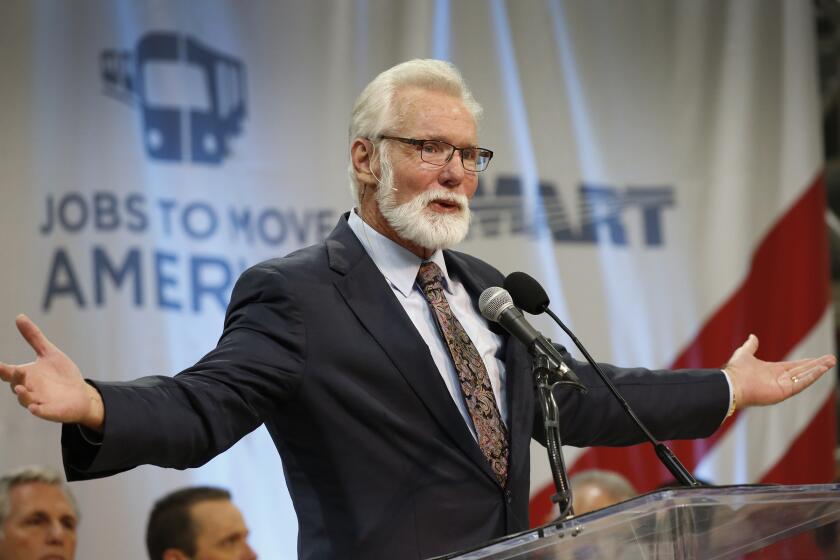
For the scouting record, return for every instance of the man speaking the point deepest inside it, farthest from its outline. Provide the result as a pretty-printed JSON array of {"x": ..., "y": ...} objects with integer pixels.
[{"x": 403, "y": 418}]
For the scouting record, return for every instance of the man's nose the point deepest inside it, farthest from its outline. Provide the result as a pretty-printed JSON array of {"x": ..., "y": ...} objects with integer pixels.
[
  {"x": 249, "y": 553},
  {"x": 453, "y": 172},
  {"x": 56, "y": 533}
]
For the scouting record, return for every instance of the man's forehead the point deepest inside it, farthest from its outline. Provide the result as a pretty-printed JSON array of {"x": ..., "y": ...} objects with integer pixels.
[
  {"x": 434, "y": 115},
  {"x": 33, "y": 496},
  {"x": 214, "y": 514}
]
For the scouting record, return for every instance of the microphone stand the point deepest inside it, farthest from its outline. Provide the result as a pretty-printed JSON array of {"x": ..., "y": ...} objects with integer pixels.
[
  {"x": 544, "y": 373},
  {"x": 666, "y": 456}
]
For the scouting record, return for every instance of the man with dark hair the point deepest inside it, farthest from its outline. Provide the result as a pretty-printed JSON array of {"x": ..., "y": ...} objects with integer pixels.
[
  {"x": 199, "y": 523},
  {"x": 38, "y": 516}
]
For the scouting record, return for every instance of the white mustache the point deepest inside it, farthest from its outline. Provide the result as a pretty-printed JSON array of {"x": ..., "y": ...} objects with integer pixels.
[{"x": 429, "y": 197}]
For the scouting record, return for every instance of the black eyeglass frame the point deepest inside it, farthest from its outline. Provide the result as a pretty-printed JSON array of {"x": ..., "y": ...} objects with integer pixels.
[{"x": 419, "y": 143}]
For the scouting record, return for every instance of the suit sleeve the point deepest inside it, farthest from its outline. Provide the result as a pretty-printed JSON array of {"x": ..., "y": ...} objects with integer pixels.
[
  {"x": 186, "y": 420},
  {"x": 681, "y": 404}
]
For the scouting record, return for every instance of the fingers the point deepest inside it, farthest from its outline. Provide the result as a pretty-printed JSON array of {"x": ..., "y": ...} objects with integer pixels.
[
  {"x": 750, "y": 345},
  {"x": 798, "y": 366},
  {"x": 747, "y": 349},
  {"x": 33, "y": 335},
  {"x": 28, "y": 402},
  {"x": 805, "y": 372},
  {"x": 23, "y": 394},
  {"x": 29, "y": 395},
  {"x": 6, "y": 372},
  {"x": 793, "y": 383},
  {"x": 828, "y": 360},
  {"x": 37, "y": 409},
  {"x": 11, "y": 373},
  {"x": 19, "y": 389},
  {"x": 16, "y": 377},
  {"x": 795, "y": 363},
  {"x": 18, "y": 386}
]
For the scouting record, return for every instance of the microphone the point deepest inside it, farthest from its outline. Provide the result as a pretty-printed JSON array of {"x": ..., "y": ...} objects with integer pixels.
[
  {"x": 530, "y": 296},
  {"x": 526, "y": 293},
  {"x": 496, "y": 305}
]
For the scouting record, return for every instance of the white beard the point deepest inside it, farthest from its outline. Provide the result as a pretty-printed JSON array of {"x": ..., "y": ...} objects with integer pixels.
[{"x": 414, "y": 221}]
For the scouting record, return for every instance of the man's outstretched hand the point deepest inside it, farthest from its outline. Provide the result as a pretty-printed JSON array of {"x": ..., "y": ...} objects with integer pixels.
[
  {"x": 756, "y": 382},
  {"x": 52, "y": 387}
]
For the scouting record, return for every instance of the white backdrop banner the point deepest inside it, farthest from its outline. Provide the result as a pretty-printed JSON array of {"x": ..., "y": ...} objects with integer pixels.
[{"x": 658, "y": 169}]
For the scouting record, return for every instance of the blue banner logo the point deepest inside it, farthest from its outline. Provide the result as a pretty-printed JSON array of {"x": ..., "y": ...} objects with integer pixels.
[{"x": 191, "y": 97}]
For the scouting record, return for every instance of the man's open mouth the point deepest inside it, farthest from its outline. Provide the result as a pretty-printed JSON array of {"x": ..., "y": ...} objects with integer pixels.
[{"x": 445, "y": 205}]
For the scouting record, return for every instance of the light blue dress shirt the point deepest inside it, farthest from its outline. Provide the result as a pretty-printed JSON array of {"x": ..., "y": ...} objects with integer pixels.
[{"x": 399, "y": 266}]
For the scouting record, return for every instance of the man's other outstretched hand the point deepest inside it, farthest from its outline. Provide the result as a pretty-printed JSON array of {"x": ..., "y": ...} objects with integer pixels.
[
  {"x": 52, "y": 387},
  {"x": 756, "y": 382}
]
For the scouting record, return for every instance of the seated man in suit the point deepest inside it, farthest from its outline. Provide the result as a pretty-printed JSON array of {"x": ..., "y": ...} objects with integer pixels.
[
  {"x": 38, "y": 516},
  {"x": 199, "y": 522},
  {"x": 403, "y": 417}
]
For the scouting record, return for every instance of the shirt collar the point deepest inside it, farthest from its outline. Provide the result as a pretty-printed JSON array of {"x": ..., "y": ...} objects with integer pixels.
[{"x": 395, "y": 262}]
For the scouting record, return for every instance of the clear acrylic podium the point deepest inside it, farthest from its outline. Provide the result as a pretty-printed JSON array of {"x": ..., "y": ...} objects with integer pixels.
[{"x": 681, "y": 523}]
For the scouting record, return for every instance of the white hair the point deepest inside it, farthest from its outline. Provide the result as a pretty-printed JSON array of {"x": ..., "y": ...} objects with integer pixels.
[
  {"x": 375, "y": 112},
  {"x": 28, "y": 475}
]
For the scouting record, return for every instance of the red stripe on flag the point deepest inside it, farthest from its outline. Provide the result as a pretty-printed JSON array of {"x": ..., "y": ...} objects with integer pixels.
[
  {"x": 783, "y": 297},
  {"x": 810, "y": 458},
  {"x": 540, "y": 507}
]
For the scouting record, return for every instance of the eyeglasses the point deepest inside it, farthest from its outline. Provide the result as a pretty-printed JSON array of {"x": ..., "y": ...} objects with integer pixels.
[{"x": 438, "y": 152}]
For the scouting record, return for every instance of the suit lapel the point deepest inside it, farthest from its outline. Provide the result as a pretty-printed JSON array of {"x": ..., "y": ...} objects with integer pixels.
[
  {"x": 519, "y": 383},
  {"x": 371, "y": 299}
]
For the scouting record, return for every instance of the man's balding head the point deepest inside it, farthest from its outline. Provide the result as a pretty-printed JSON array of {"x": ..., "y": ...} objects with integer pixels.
[{"x": 596, "y": 489}]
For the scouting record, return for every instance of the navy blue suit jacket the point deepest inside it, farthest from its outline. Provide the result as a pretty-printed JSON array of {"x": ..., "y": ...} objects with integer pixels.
[{"x": 377, "y": 458}]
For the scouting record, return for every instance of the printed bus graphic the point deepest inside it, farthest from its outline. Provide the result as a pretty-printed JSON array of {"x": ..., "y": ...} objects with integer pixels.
[{"x": 191, "y": 97}]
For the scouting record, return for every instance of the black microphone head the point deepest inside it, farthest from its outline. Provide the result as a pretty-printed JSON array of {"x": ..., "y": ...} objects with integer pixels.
[{"x": 526, "y": 292}]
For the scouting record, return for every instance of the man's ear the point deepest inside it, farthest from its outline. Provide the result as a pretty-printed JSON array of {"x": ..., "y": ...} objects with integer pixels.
[
  {"x": 362, "y": 155},
  {"x": 174, "y": 554}
]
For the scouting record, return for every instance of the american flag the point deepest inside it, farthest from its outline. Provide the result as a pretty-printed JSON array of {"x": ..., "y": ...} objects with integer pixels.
[{"x": 749, "y": 108}]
